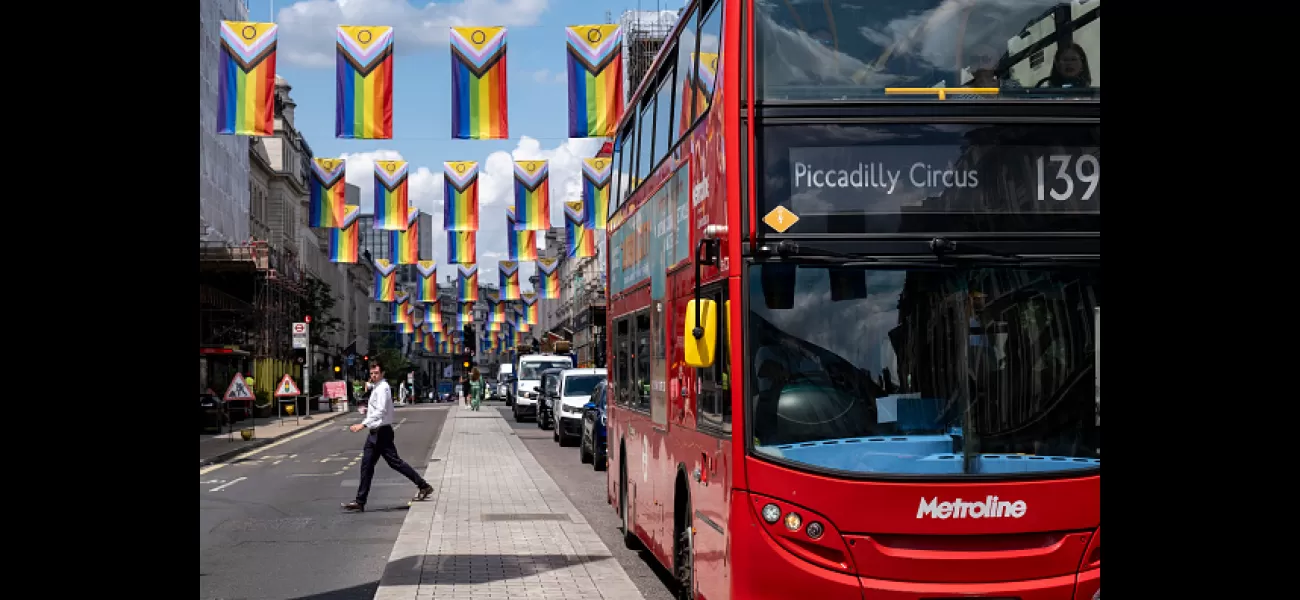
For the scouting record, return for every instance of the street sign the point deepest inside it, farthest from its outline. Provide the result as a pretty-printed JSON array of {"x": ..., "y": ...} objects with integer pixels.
[
  {"x": 335, "y": 389},
  {"x": 299, "y": 335},
  {"x": 410, "y": 378},
  {"x": 351, "y": 357},
  {"x": 238, "y": 389},
  {"x": 287, "y": 388}
]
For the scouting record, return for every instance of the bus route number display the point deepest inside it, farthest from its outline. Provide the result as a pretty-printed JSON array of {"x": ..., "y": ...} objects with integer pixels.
[{"x": 885, "y": 179}]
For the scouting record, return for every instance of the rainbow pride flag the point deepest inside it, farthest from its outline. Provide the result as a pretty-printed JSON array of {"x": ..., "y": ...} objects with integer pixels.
[
  {"x": 520, "y": 245},
  {"x": 595, "y": 79},
  {"x": 428, "y": 344},
  {"x": 595, "y": 192},
  {"x": 468, "y": 280},
  {"x": 328, "y": 193},
  {"x": 550, "y": 278},
  {"x": 509, "y": 279},
  {"x": 404, "y": 246},
  {"x": 532, "y": 195},
  {"x": 433, "y": 316},
  {"x": 391, "y": 208},
  {"x": 465, "y": 316},
  {"x": 461, "y": 247},
  {"x": 499, "y": 312},
  {"x": 478, "y": 84},
  {"x": 426, "y": 289},
  {"x": 460, "y": 196},
  {"x": 385, "y": 280},
  {"x": 364, "y": 107},
  {"x": 345, "y": 239},
  {"x": 530, "y": 310},
  {"x": 580, "y": 241},
  {"x": 246, "y": 78}
]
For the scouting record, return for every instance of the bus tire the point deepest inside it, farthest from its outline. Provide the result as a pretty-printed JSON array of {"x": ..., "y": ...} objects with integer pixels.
[
  {"x": 684, "y": 557},
  {"x": 629, "y": 538}
]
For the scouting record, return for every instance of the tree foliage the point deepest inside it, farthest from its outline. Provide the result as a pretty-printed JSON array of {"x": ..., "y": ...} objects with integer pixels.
[{"x": 319, "y": 302}]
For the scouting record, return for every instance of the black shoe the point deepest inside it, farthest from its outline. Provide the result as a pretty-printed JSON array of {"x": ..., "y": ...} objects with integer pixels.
[
  {"x": 354, "y": 506},
  {"x": 425, "y": 492}
]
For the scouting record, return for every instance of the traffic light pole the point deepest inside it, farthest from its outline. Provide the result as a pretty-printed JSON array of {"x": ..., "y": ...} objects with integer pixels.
[{"x": 306, "y": 375}]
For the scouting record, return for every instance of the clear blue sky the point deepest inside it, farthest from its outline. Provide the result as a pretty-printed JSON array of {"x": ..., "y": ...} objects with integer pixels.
[{"x": 538, "y": 100}]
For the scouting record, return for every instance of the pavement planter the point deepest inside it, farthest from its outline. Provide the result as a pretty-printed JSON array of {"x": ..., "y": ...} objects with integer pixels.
[
  {"x": 497, "y": 526},
  {"x": 239, "y": 447}
]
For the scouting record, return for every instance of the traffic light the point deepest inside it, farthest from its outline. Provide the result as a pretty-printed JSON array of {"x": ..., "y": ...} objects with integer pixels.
[{"x": 336, "y": 369}]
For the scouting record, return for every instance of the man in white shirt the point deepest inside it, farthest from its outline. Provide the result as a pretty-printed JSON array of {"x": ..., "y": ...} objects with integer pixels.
[{"x": 379, "y": 420}]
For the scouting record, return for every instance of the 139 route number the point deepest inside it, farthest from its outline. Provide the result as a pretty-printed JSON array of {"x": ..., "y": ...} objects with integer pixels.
[{"x": 1074, "y": 171}]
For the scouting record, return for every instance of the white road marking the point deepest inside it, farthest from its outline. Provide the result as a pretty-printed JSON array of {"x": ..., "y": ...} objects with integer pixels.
[
  {"x": 317, "y": 474},
  {"x": 399, "y": 424},
  {"x": 227, "y": 484},
  {"x": 211, "y": 468}
]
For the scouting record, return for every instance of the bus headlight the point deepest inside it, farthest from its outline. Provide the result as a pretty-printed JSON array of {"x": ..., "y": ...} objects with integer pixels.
[
  {"x": 771, "y": 513},
  {"x": 793, "y": 521},
  {"x": 814, "y": 530}
]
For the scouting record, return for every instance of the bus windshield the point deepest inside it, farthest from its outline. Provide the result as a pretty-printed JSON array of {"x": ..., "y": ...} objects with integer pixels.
[
  {"x": 944, "y": 372},
  {"x": 857, "y": 49}
]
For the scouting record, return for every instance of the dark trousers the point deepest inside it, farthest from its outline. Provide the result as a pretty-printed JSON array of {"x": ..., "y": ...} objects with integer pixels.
[{"x": 380, "y": 443}]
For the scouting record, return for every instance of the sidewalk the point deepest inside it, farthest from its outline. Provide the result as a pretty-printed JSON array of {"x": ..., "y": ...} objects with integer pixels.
[
  {"x": 497, "y": 526},
  {"x": 218, "y": 447}
]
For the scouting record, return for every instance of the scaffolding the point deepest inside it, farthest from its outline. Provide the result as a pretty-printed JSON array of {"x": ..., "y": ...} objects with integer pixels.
[
  {"x": 249, "y": 295},
  {"x": 644, "y": 32}
]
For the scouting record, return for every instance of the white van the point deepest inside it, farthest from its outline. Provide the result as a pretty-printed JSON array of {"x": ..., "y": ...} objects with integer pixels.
[
  {"x": 529, "y": 377},
  {"x": 505, "y": 374},
  {"x": 576, "y": 386}
]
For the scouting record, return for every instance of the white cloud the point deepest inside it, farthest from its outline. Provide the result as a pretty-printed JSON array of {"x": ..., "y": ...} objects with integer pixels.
[
  {"x": 307, "y": 28},
  {"x": 496, "y": 193}
]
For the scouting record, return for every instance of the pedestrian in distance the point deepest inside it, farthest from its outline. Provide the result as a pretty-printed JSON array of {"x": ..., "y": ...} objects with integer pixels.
[
  {"x": 475, "y": 389},
  {"x": 380, "y": 442},
  {"x": 465, "y": 390}
]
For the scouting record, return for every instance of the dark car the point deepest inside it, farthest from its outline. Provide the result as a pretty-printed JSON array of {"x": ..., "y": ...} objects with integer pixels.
[
  {"x": 549, "y": 398},
  {"x": 592, "y": 447}
]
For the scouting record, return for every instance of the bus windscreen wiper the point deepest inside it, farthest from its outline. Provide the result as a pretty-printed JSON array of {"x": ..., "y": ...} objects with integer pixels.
[
  {"x": 787, "y": 249},
  {"x": 944, "y": 248}
]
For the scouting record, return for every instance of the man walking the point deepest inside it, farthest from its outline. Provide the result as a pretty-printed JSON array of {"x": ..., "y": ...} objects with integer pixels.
[{"x": 379, "y": 419}]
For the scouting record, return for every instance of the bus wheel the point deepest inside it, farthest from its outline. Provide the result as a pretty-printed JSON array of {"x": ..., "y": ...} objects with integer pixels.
[
  {"x": 629, "y": 539},
  {"x": 684, "y": 559}
]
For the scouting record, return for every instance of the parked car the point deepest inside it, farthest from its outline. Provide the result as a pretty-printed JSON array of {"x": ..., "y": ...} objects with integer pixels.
[
  {"x": 549, "y": 397},
  {"x": 575, "y": 390},
  {"x": 591, "y": 448}
]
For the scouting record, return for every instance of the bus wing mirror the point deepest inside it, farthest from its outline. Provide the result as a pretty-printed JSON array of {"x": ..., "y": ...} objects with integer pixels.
[{"x": 701, "y": 316}]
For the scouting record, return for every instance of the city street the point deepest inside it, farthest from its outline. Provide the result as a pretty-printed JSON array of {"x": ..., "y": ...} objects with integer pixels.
[
  {"x": 585, "y": 488},
  {"x": 270, "y": 526}
]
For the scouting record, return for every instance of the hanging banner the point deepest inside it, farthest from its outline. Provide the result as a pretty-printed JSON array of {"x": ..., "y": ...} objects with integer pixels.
[
  {"x": 344, "y": 239},
  {"x": 595, "y": 79},
  {"x": 460, "y": 196},
  {"x": 549, "y": 282},
  {"x": 595, "y": 192},
  {"x": 468, "y": 280},
  {"x": 426, "y": 289},
  {"x": 385, "y": 280},
  {"x": 579, "y": 240},
  {"x": 520, "y": 245},
  {"x": 404, "y": 246},
  {"x": 391, "y": 208},
  {"x": 509, "y": 279},
  {"x": 530, "y": 308},
  {"x": 364, "y": 89},
  {"x": 327, "y": 193},
  {"x": 462, "y": 247},
  {"x": 478, "y": 84},
  {"x": 465, "y": 316},
  {"x": 532, "y": 195},
  {"x": 246, "y": 78}
]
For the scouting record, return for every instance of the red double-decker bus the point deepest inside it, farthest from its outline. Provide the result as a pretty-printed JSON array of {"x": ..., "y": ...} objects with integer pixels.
[{"x": 855, "y": 289}]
